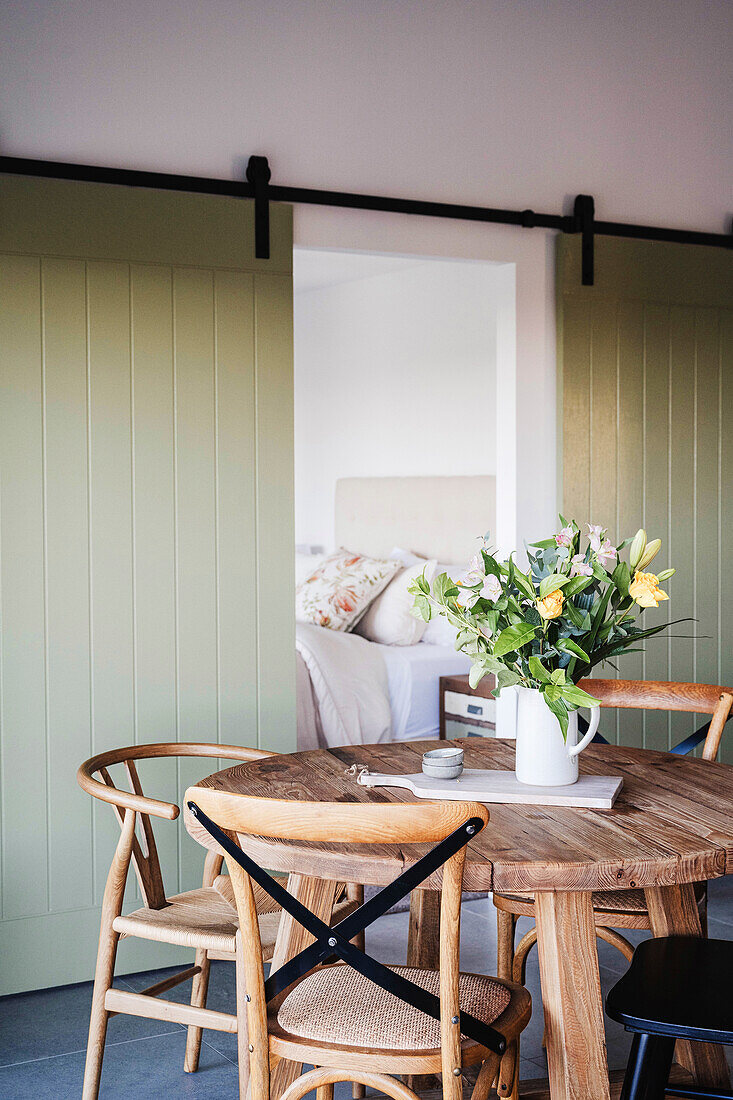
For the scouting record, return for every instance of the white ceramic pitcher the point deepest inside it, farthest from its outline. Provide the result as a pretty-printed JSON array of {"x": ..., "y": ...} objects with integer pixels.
[{"x": 543, "y": 758}]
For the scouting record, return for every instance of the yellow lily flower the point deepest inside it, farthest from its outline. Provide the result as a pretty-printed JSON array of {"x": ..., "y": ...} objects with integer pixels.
[{"x": 645, "y": 590}]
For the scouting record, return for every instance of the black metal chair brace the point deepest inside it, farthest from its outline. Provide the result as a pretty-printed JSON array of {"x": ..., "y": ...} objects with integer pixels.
[{"x": 334, "y": 942}]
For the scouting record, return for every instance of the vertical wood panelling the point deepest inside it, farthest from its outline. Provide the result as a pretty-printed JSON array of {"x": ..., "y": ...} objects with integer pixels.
[
  {"x": 146, "y": 533},
  {"x": 275, "y": 508},
  {"x": 110, "y": 497},
  {"x": 674, "y": 459},
  {"x": 725, "y": 481},
  {"x": 236, "y": 507},
  {"x": 67, "y": 576},
  {"x": 195, "y": 447},
  {"x": 154, "y": 536},
  {"x": 23, "y": 680},
  {"x": 707, "y": 489},
  {"x": 681, "y": 527},
  {"x": 630, "y": 459},
  {"x": 576, "y": 437},
  {"x": 656, "y": 498},
  {"x": 603, "y": 433}
]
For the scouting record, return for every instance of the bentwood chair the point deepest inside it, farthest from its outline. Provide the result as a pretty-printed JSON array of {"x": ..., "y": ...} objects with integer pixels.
[
  {"x": 355, "y": 1019},
  {"x": 204, "y": 919},
  {"x": 677, "y": 987},
  {"x": 614, "y": 909}
]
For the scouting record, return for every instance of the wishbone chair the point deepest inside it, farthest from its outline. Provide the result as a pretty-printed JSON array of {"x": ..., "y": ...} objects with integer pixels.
[{"x": 204, "y": 919}]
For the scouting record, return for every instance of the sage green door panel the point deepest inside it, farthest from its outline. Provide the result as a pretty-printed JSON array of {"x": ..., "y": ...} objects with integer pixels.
[
  {"x": 646, "y": 360},
  {"x": 146, "y": 530}
]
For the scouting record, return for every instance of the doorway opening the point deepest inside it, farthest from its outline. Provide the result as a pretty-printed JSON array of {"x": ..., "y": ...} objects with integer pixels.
[{"x": 405, "y": 444}]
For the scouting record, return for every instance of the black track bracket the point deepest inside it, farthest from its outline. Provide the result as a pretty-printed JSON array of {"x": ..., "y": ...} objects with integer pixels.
[{"x": 259, "y": 175}]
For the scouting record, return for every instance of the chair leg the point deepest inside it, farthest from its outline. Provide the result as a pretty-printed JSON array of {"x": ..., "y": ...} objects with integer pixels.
[
  {"x": 199, "y": 990},
  {"x": 242, "y": 1029},
  {"x": 506, "y": 924},
  {"x": 325, "y": 1092},
  {"x": 106, "y": 954},
  {"x": 647, "y": 1072},
  {"x": 355, "y": 892}
]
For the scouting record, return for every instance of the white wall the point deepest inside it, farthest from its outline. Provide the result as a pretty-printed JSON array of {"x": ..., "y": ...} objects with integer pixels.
[
  {"x": 507, "y": 104},
  {"x": 395, "y": 375}
]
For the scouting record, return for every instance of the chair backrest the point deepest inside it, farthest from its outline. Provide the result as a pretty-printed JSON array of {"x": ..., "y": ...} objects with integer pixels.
[
  {"x": 144, "y": 852},
  {"x": 712, "y": 699},
  {"x": 443, "y": 823}
]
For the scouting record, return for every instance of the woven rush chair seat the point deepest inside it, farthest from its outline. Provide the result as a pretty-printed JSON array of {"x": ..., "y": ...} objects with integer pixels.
[
  {"x": 338, "y": 1005},
  {"x": 198, "y": 918}
]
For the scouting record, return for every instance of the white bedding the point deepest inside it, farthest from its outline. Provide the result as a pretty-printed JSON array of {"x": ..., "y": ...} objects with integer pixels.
[
  {"x": 412, "y": 676},
  {"x": 351, "y": 691}
]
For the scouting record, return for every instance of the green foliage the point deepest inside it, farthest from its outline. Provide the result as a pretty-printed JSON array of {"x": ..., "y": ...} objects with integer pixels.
[{"x": 499, "y": 616}]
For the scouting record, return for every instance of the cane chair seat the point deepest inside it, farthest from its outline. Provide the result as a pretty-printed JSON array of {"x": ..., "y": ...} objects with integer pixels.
[{"x": 337, "y": 1005}]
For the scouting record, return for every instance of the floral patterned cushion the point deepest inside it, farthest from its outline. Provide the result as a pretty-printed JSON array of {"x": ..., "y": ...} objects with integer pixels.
[{"x": 340, "y": 590}]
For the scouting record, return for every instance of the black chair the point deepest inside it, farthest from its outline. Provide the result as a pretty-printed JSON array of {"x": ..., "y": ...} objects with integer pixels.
[{"x": 677, "y": 987}]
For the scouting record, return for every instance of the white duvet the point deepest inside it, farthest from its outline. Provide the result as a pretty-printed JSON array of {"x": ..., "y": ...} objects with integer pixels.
[
  {"x": 355, "y": 692},
  {"x": 343, "y": 690}
]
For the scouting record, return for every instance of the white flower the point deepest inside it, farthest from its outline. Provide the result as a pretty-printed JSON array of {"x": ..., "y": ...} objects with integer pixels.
[
  {"x": 476, "y": 565},
  {"x": 580, "y": 567},
  {"x": 491, "y": 589},
  {"x": 607, "y": 554},
  {"x": 564, "y": 537},
  {"x": 595, "y": 534}
]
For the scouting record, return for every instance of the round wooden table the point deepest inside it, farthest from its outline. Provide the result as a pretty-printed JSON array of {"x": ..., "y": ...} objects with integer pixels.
[{"x": 672, "y": 826}]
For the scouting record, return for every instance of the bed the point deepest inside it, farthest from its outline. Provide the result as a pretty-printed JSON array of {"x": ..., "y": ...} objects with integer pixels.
[{"x": 354, "y": 691}]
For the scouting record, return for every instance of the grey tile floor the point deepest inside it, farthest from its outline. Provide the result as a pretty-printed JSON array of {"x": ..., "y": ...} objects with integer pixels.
[{"x": 43, "y": 1034}]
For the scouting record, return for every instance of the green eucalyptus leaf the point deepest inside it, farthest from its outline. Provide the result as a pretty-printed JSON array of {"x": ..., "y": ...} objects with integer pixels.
[
  {"x": 421, "y": 608},
  {"x": 579, "y": 698},
  {"x": 506, "y": 678},
  {"x": 476, "y": 675},
  {"x": 576, "y": 584},
  {"x": 570, "y": 646},
  {"x": 538, "y": 670},
  {"x": 560, "y": 711},
  {"x": 552, "y": 583},
  {"x": 558, "y": 676},
  {"x": 513, "y": 638}
]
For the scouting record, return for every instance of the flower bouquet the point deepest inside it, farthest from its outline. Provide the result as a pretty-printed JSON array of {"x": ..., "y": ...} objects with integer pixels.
[{"x": 545, "y": 628}]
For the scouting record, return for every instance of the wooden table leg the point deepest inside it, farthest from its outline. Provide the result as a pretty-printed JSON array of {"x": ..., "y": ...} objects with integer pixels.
[
  {"x": 571, "y": 996},
  {"x": 423, "y": 938},
  {"x": 673, "y": 912},
  {"x": 319, "y": 896},
  {"x": 423, "y": 949}
]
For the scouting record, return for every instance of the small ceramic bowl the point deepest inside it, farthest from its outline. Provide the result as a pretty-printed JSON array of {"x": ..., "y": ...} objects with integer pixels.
[{"x": 443, "y": 763}]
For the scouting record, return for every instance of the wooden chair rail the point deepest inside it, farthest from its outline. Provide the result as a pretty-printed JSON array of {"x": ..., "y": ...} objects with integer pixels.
[
  {"x": 135, "y": 799},
  {"x": 348, "y": 822},
  {"x": 657, "y": 694}
]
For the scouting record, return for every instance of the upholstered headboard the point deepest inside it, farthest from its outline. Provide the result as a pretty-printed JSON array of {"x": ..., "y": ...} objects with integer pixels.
[{"x": 435, "y": 517}]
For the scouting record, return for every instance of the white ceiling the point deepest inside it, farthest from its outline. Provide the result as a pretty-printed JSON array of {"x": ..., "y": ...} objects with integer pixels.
[{"x": 314, "y": 269}]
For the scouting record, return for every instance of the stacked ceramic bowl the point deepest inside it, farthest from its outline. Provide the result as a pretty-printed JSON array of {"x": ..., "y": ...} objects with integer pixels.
[{"x": 444, "y": 763}]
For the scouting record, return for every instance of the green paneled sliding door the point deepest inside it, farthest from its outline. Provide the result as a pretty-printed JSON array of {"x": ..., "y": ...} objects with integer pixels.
[
  {"x": 646, "y": 368},
  {"x": 146, "y": 529}
]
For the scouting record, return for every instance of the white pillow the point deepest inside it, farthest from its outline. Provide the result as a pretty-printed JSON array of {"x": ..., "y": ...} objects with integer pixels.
[
  {"x": 389, "y": 619},
  {"x": 340, "y": 590},
  {"x": 438, "y": 631},
  {"x": 306, "y": 564}
]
